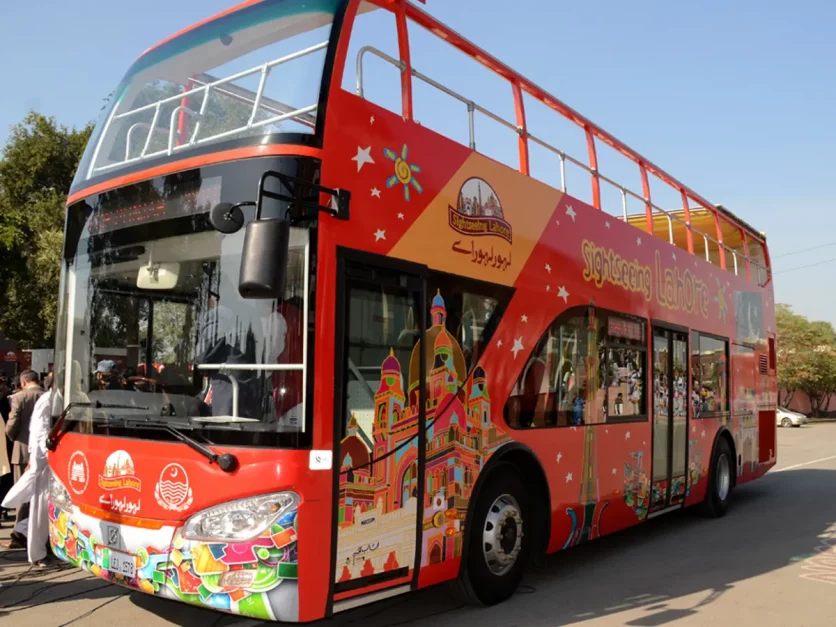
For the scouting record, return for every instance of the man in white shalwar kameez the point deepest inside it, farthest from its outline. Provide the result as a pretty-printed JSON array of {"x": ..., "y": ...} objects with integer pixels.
[{"x": 34, "y": 483}]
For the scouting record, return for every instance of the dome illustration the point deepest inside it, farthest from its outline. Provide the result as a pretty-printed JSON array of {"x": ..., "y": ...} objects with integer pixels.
[
  {"x": 391, "y": 365},
  {"x": 448, "y": 344}
]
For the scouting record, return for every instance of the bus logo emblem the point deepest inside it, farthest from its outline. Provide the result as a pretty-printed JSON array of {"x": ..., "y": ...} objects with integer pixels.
[
  {"x": 478, "y": 212},
  {"x": 119, "y": 473},
  {"x": 78, "y": 472},
  {"x": 173, "y": 491}
]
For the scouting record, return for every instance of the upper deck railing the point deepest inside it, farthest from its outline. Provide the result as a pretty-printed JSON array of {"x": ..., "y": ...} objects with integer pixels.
[
  {"x": 742, "y": 261},
  {"x": 206, "y": 85}
]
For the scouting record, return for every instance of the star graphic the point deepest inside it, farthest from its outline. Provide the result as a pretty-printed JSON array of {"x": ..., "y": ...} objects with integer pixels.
[
  {"x": 379, "y": 235},
  {"x": 524, "y": 318},
  {"x": 400, "y": 216},
  {"x": 375, "y": 192},
  {"x": 627, "y": 436},
  {"x": 638, "y": 241},
  {"x": 568, "y": 477},
  {"x": 614, "y": 471},
  {"x": 694, "y": 429},
  {"x": 571, "y": 212},
  {"x": 548, "y": 268},
  {"x": 363, "y": 157},
  {"x": 562, "y": 293},
  {"x": 548, "y": 288},
  {"x": 499, "y": 343},
  {"x": 674, "y": 256},
  {"x": 559, "y": 457},
  {"x": 557, "y": 222},
  {"x": 644, "y": 442},
  {"x": 371, "y": 120},
  {"x": 703, "y": 433},
  {"x": 695, "y": 263},
  {"x": 518, "y": 346}
]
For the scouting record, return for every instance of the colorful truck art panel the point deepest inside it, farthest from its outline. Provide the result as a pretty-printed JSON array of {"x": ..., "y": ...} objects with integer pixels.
[
  {"x": 378, "y": 508},
  {"x": 257, "y": 578},
  {"x": 636, "y": 485}
]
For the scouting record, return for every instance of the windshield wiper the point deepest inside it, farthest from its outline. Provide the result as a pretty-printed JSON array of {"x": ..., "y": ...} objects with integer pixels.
[
  {"x": 226, "y": 461},
  {"x": 58, "y": 427}
]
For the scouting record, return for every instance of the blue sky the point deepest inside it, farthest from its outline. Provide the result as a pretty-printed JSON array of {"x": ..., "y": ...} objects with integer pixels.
[{"x": 735, "y": 99}]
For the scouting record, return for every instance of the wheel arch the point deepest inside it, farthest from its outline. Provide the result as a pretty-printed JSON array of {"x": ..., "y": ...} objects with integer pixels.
[
  {"x": 533, "y": 474},
  {"x": 724, "y": 434}
]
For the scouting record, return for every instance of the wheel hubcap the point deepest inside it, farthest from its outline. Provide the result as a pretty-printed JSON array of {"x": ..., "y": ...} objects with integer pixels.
[
  {"x": 502, "y": 535},
  {"x": 723, "y": 477}
]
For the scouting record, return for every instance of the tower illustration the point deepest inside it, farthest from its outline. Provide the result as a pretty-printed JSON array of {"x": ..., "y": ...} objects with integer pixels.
[{"x": 586, "y": 521}]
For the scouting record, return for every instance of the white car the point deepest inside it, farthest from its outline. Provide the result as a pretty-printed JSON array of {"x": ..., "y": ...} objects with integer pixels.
[{"x": 788, "y": 418}]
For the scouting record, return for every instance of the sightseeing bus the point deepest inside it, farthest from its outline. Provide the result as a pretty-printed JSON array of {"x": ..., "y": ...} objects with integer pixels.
[{"x": 319, "y": 346}]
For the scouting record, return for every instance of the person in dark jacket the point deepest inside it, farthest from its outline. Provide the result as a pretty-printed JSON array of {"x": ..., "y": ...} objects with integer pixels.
[{"x": 17, "y": 430}]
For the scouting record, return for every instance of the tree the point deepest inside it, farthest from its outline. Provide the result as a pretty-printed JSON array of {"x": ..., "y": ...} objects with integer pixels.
[
  {"x": 37, "y": 167},
  {"x": 792, "y": 329},
  {"x": 806, "y": 359}
]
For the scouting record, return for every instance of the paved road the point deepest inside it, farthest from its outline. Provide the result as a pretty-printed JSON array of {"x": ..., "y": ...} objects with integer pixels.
[{"x": 770, "y": 562}]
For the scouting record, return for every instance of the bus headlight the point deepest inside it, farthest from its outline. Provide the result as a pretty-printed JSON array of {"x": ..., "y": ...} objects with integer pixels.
[
  {"x": 58, "y": 493},
  {"x": 241, "y": 520}
]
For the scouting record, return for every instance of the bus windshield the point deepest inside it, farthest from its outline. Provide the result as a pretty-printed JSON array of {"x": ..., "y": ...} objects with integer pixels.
[
  {"x": 156, "y": 328},
  {"x": 245, "y": 75}
]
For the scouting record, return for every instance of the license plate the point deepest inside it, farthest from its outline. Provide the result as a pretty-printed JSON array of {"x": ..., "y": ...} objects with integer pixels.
[{"x": 121, "y": 563}]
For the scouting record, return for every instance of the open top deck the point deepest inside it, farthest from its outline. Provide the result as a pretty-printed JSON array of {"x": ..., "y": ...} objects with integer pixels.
[{"x": 201, "y": 106}]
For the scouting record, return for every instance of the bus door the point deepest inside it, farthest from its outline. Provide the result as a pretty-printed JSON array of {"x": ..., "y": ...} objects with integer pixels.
[
  {"x": 380, "y": 424},
  {"x": 670, "y": 419}
]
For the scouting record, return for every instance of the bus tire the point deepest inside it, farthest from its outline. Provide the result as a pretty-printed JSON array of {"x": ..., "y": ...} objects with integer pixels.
[
  {"x": 720, "y": 481},
  {"x": 499, "y": 539}
]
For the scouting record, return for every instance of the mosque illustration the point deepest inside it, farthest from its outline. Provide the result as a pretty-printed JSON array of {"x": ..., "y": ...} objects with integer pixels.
[{"x": 378, "y": 487}]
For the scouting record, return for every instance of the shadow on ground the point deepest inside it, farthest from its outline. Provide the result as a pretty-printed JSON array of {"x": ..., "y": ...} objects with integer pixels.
[{"x": 773, "y": 523}]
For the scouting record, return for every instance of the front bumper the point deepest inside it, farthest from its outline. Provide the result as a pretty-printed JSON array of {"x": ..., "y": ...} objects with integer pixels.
[{"x": 258, "y": 578}]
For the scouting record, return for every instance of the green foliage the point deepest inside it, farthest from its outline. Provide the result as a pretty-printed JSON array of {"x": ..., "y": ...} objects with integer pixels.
[
  {"x": 36, "y": 169},
  {"x": 806, "y": 358}
]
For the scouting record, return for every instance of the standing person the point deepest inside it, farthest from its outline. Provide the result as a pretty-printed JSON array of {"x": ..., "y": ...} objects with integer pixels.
[
  {"x": 6, "y": 479},
  {"x": 17, "y": 429},
  {"x": 31, "y": 491}
]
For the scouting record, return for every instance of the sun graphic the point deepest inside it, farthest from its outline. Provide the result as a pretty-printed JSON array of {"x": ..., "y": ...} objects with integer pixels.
[
  {"x": 720, "y": 299},
  {"x": 403, "y": 172}
]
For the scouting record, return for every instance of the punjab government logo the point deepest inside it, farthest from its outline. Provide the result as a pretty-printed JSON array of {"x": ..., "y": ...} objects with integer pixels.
[
  {"x": 478, "y": 211},
  {"x": 173, "y": 491},
  {"x": 119, "y": 473}
]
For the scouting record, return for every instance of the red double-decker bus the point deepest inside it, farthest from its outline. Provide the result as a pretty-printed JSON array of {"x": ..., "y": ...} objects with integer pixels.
[{"x": 312, "y": 353}]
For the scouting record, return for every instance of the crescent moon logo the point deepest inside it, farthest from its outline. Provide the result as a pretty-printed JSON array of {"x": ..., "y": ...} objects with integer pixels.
[{"x": 174, "y": 472}]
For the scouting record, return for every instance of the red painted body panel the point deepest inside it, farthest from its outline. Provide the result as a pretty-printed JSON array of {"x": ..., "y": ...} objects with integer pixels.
[{"x": 559, "y": 244}]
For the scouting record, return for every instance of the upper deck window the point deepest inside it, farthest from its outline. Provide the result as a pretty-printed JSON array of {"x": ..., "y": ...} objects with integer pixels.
[{"x": 251, "y": 73}]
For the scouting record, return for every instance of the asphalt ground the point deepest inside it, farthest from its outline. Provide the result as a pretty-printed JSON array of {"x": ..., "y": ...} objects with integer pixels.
[{"x": 771, "y": 561}]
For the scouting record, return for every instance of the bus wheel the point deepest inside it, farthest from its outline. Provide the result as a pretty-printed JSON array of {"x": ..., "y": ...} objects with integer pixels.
[
  {"x": 720, "y": 481},
  {"x": 499, "y": 539}
]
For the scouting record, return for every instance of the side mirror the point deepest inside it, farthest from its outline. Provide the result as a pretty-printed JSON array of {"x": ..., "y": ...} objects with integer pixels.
[
  {"x": 227, "y": 218},
  {"x": 264, "y": 258}
]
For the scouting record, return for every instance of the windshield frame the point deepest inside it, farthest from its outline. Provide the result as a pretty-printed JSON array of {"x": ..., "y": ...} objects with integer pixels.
[
  {"x": 314, "y": 140},
  {"x": 246, "y": 173}
]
